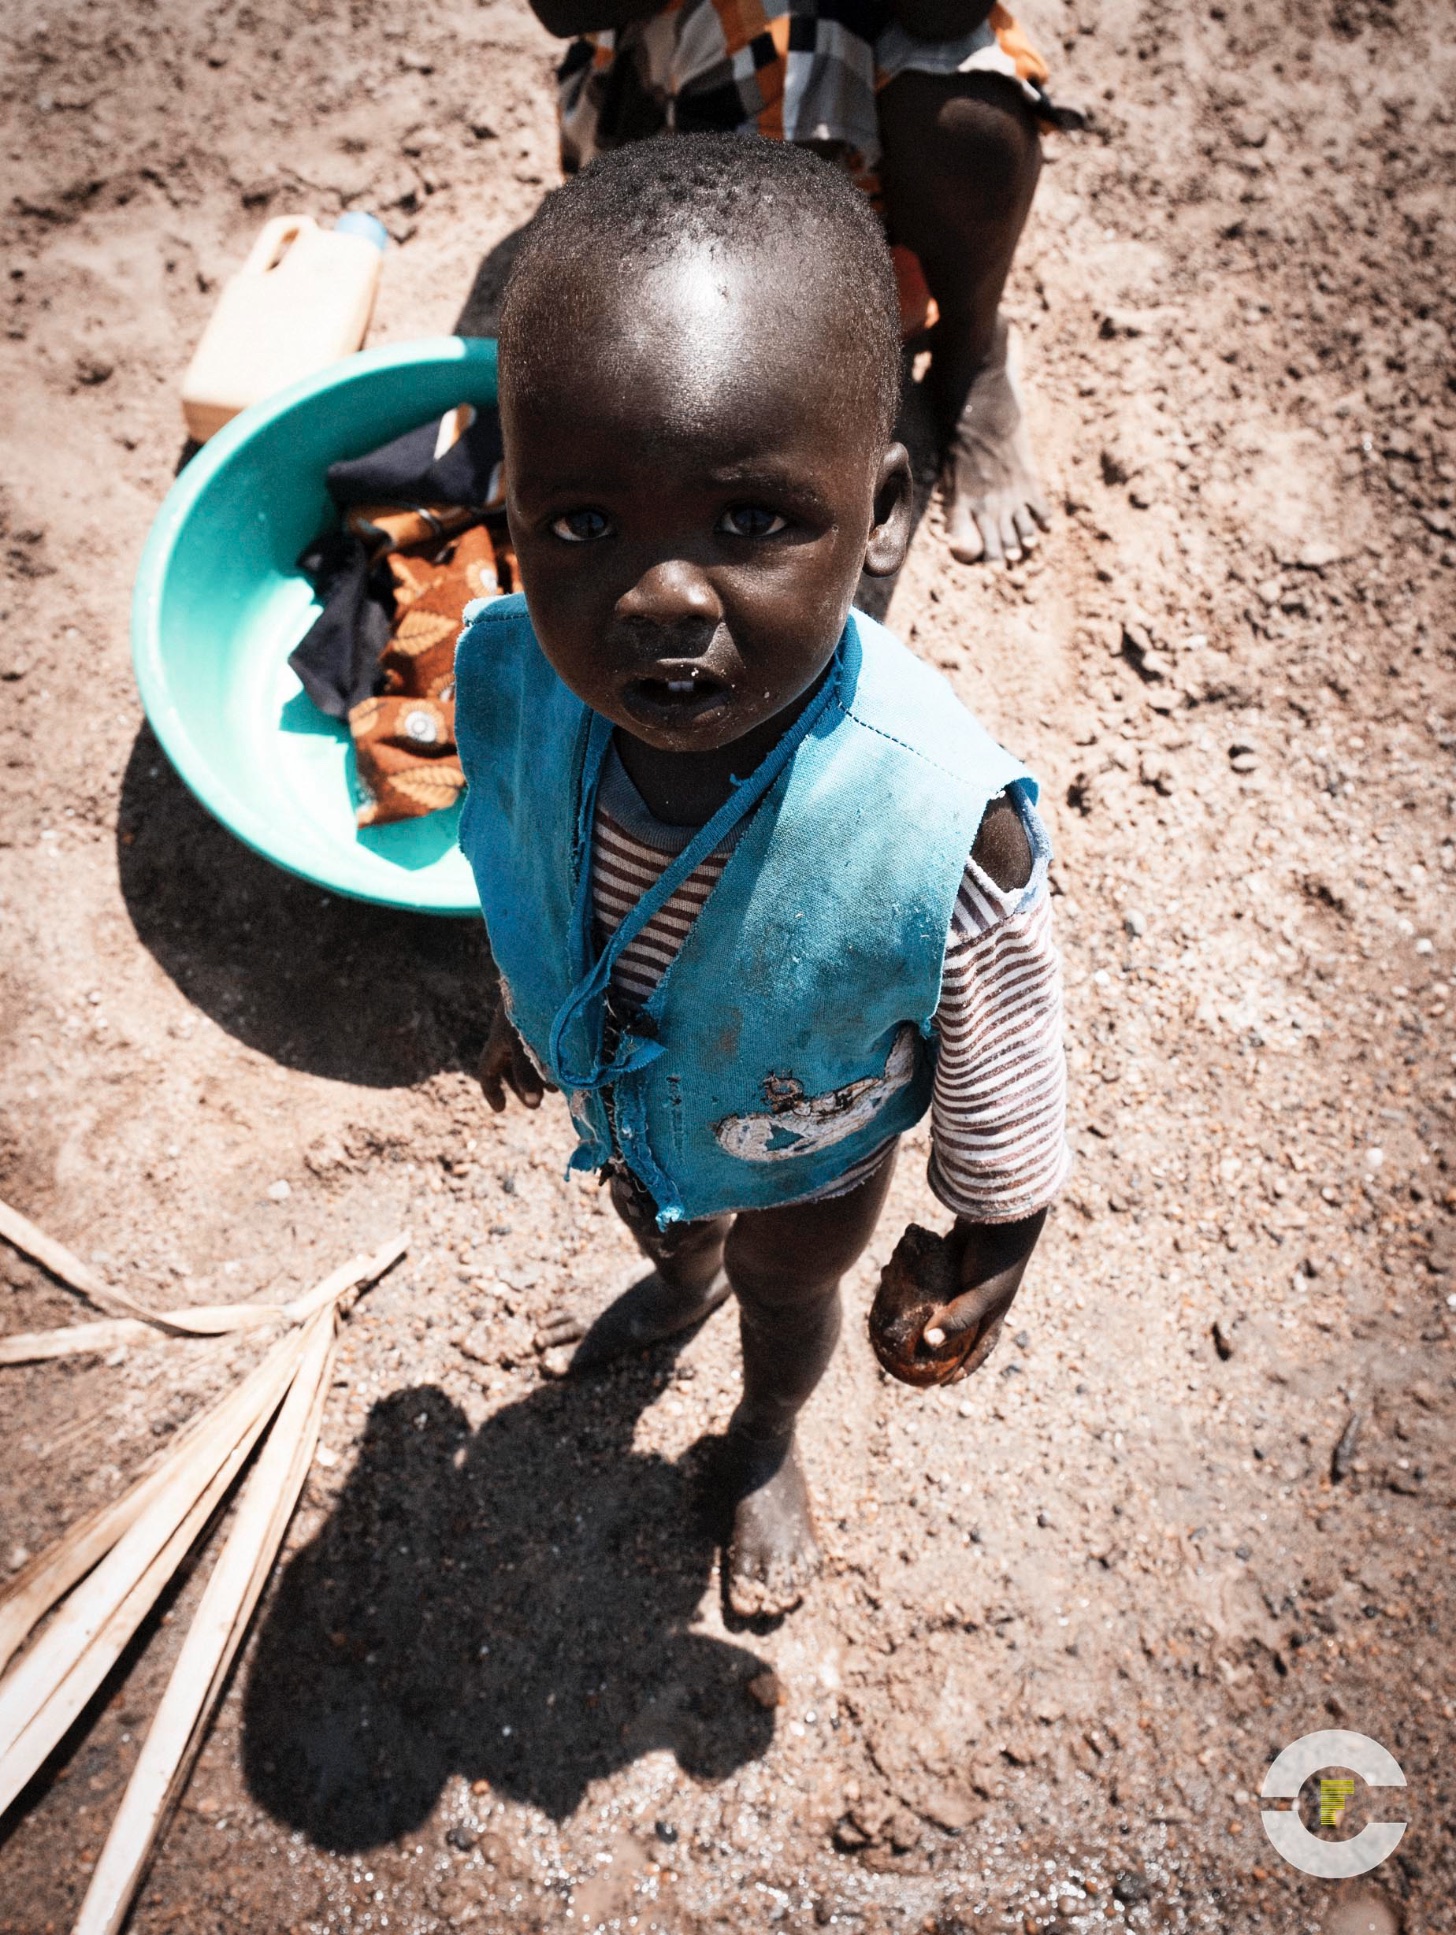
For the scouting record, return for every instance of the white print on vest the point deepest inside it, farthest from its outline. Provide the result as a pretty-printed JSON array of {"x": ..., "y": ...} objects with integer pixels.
[{"x": 797, "y": 1124}]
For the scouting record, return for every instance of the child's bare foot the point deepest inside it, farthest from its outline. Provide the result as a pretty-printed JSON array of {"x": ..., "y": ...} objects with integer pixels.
[
  {"x": 645, "y": 1312},
  {"x": 993, "y": 500},
  {"x": 772, "y": 1552}
]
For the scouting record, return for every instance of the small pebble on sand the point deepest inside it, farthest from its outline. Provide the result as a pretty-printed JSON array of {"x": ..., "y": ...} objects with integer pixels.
[{"x": 766, "y": 1689}]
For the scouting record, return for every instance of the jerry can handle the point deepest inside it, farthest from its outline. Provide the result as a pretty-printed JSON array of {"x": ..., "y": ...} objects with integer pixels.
[{"x": 274, "y": 241}]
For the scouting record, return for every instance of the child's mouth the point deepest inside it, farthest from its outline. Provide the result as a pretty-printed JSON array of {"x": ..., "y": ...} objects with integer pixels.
[{"x": 688, "y": 695}]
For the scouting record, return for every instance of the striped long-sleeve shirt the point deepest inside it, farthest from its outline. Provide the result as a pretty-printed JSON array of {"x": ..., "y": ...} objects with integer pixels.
[{"x": 998, "y": 1107}]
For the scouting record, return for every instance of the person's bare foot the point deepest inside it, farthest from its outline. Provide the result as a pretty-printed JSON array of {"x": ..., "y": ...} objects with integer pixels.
[
  {"x": 993, "y": 500},
  {"x": 646, "y": 1311},
  {"x": 772, "y": 1552}
]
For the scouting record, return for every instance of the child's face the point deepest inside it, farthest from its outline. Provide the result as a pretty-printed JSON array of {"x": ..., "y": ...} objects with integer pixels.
[{"x": 695, "y": 481}]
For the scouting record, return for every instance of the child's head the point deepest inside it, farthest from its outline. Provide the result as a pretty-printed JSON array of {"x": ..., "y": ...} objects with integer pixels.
[{"x": 700, "y": 367}]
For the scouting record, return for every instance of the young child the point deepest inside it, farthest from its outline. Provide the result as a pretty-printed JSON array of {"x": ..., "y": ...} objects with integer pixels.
[
  {"x": 932, "y": 106},
  {"x": 759, "y": 889}
]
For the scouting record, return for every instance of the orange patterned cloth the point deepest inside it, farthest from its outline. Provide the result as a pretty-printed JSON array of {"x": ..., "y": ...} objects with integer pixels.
[
  {"x": 413, "y": 549},
  {"x": 1012, "y": 39},
  {"x": 404, "y": 736}
]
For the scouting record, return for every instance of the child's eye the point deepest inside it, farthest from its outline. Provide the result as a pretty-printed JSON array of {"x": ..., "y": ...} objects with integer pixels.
[
  {"x": 581, "y": 527},
  {"x": 752, "y": 521}
]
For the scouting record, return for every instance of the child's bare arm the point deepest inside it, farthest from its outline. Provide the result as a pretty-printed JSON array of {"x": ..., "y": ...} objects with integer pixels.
[
  {"x": 568, "y": 18},
  {"x": 991, "y": 1260},
  {"x": 1002, "y": 849},
  {"x": 940, "y": 19},
  {"x": 506, "y": 1065},
  {"x": 942, "y": 1300}
]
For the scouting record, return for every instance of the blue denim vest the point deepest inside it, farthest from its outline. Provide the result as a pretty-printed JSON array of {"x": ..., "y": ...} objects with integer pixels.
[{"x": 793, "y": 1033}]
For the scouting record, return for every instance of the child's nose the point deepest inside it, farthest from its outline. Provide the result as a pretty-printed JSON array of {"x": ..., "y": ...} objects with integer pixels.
[{"x": 669, "y": 593}]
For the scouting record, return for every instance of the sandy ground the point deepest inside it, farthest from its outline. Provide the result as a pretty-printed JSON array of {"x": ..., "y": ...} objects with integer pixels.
[{"x": 1071, "y": 1610}]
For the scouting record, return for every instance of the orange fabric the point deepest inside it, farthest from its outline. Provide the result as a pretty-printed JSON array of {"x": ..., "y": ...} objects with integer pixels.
[
  {"x": 407, "y": 759},
  {"x": 739, "y": 21},
  {"x": 771, "y": 80},
  {"x": 404, "y": 737},
  {"x": 1012, "y": 40}
]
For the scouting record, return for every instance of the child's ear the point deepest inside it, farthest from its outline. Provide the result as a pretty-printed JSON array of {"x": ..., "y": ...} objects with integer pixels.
[{"x": 889, "y": 537}]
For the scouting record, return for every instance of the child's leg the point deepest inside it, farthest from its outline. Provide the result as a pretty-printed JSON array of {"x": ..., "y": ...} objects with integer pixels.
[
  {"x": 784, "y": 1266},
  {"x": 961, "y": 160},
  {"x": 685, "y": 1283}
]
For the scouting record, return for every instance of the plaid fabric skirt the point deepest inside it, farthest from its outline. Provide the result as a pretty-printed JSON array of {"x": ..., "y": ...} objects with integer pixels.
[{"x": 794, "y": 70}]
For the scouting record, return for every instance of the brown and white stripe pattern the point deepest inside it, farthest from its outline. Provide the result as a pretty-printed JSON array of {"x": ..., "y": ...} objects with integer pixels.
[
  {"x": 998, "y": 1142},
  {"x": 622, "y": 871}
]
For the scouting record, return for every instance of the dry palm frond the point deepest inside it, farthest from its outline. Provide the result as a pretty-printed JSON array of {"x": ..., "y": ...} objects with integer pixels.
[
  {"x": 63, "y": 1263},
  {"x": 213, "y": 1638},
  {"x": 49, "y": 1576},
  {"x": 204, "y": 1355},
  {"x": 64, "y": 1706},
  {"x": 117, "y": 1560},
  {"x": 30, "y": 1596},
  {"x": 106, "y": 1609},
  {"x": 134, "y": 1322},
  {"x": 76, "y": 1340}
]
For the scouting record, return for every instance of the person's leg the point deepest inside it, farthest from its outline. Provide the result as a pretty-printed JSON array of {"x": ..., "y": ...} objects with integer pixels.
[
  {"x": 784, "y": 1266},
  {"x": 686, "y": 1282},
  {"x": 961, "y": 160}
]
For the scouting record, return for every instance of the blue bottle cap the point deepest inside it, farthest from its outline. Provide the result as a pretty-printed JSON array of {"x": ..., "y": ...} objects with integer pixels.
[{"x": 368, "y": 227}]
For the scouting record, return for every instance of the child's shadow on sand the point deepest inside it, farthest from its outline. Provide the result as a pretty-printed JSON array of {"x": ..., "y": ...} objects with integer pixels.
[{"x": 512, "y": 1603}]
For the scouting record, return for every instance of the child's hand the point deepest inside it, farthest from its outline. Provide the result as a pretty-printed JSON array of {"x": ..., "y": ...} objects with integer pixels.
[
  {"x": 506, "y": 1065},
  {"x": 942, "y": 1300}
]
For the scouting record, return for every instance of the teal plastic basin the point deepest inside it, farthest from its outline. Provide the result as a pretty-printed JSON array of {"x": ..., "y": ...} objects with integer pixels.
[{"x": 220, "y": 603}]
